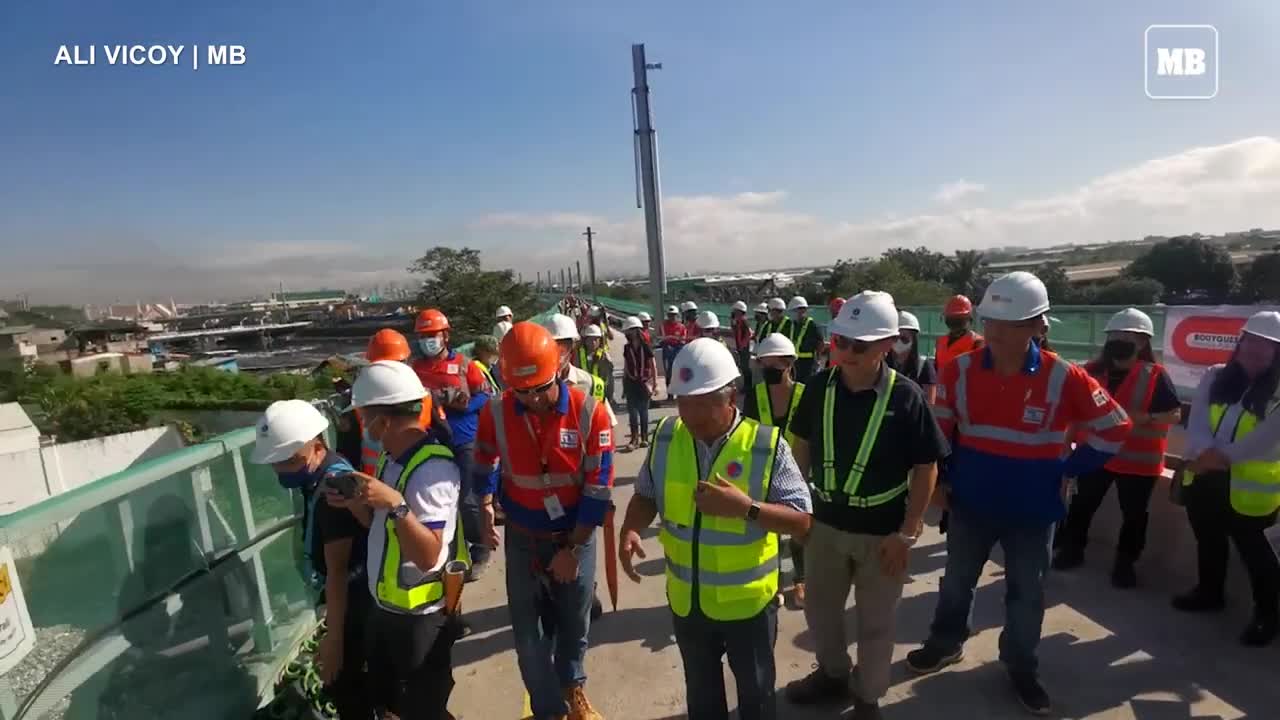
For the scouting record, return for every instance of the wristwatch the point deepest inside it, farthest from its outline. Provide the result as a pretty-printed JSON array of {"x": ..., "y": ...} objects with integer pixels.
[
  {"x": 754, "y": 512},
  {"x": 400, "y": 511}
]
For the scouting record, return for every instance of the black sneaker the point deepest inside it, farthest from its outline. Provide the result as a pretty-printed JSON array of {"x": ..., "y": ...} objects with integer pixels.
[
  {"x": 817, "y": 687},
  {"x": 1123, "y": 575},
  {"x": 1031, "y": 693},
  {"x": 1068, "y": 558},
  {"x": 930, "y": 659},
  {"x": 1261, "y": 631},
  {"x": 1198, "y": 601}
]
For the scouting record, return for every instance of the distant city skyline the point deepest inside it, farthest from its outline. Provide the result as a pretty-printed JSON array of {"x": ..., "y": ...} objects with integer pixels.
[{"x": 353, "y": 140}]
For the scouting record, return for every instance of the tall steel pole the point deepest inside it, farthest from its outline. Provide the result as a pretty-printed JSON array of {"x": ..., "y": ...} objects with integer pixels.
[
  {"x": 646, "y": 146},
  {"x": 591, "y": 261},
  {"x": 578, "y": 264}
]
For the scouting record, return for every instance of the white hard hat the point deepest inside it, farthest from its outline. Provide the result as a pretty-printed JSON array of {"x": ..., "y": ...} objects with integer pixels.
[
  {"x": 907, "y": 321},
  {"x": 1016, "y": 296},
  {"x": 631, "y": 323},
  {"x": 386, "y": 382},
  {"x": 562, "y": 327},
  {"x": 797, "y": 302},
  {"x": 285, "y": 428},
  {"x": 688, "y": 305},
  {"x": 703, "y": 366},
  {"x": 740, "y": 306},
  {"x": 673, "y": 310},
  {"x": 592, "y": 330},
  {"x": 645, "y": 317},
  {"x": 1264, "y": 324},
  {"x": 1131, "y": 320},
  {"x": 762, "y": 308},
  {"x": 867, "y": 316},
  {"x": 776, "y": 345},
  {"x": 707, "y": 320},
  {"x": 503, "y": 311},
  {"x": 777, "y": 304}
]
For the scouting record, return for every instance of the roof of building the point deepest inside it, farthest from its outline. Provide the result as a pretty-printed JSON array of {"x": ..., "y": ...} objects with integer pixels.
[{"x": 17, "y": 329}]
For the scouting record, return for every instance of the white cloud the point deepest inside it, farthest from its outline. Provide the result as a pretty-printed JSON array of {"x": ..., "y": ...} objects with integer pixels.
[{"x": 953, "y": 192}]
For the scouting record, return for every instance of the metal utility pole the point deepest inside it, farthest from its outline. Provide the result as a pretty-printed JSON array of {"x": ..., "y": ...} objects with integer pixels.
[
  {"x": 578, "y": 264},
  {"x": 539, "y": 285},
  {"x": 646, "y": 148},
  {"x": 563, "y": 286},
  {"x": 591, "y": 261}
]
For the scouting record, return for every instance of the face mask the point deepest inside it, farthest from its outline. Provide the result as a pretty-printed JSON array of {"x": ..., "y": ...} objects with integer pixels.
[
  {"x": 431, "y": 346},
  {"x": 1119, "y": 349},
  {"x": 297, "y": 479},
  {"x": 773, "y": 376},
  {"x": 1255, "y": 358},
  {"x": 902, "y": 348},
  {"x": 956, "y": 323}
]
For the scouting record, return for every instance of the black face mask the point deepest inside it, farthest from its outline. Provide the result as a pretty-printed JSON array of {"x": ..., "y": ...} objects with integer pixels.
[
  {"x": 773, "y": 376},
  {"x": 957, "y": 323},
  {"x": 1119, "y": 349}
]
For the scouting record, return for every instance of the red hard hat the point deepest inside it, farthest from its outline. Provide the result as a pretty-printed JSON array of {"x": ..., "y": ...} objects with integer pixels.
[
  {"x": 835, "y": 305},
  {"x": 387, "y": 344},
  {"x": 957, "y": 306},
  {"x": 529, "y": 356},
  {"x": 431, "y": 321}
]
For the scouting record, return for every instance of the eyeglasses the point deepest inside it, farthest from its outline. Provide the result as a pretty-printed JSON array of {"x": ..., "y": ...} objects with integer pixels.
[
  {"x": 530, "y": 392},
  {"x": 857, "y": 347}
]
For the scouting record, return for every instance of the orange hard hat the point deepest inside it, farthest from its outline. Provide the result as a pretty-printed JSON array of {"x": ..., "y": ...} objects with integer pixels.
[
  {"x": 835, "y": 305},
  {"x": 957, "y": 306},
  {"x": 431, "y": 321},
  {"x": 529, "y": 356},
  {"x": 387, "y": 344}
]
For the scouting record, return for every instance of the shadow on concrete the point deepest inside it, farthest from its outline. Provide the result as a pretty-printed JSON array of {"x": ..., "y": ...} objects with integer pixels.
[{"x": 651, "y": 626}]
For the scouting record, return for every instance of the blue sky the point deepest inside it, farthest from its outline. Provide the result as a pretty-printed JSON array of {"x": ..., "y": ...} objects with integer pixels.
[{"x": 356, "y": 137}]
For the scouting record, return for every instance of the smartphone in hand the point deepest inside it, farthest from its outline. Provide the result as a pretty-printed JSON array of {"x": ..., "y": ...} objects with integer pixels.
[{"x": 347, "y": 485}]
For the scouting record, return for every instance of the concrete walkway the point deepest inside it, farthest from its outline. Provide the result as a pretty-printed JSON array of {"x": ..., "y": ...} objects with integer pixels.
[{"x": 1106, "y": 654}]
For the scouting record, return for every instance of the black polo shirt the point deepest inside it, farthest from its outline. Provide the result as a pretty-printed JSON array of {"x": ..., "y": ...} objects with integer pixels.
[{"x": 909, "y": 436}]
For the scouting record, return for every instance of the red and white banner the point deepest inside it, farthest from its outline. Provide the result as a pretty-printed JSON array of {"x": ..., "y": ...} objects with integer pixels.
[{"x": 1197, "y": 337}]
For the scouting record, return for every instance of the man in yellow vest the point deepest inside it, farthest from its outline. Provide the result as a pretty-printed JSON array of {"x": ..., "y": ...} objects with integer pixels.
[
  {"x": 725, "y": 486},
  {"x": 413, "y": 536}
]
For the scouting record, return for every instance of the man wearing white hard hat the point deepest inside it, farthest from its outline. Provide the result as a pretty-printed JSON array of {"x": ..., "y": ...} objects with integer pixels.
[
  {"x": 761, "y": 318},
  {"x": 725, "y": 486},
  {"x": 867, "y": 440},
  {"x": 708, "y": 326},
  {"x": 1128, "y": 370},
  {"x": 290, "y": 438},
  {"x": 674, "y": 336},
  {"x": 906, "y": 357},
  {"x": 565, "y": 332},
  {"x": 500, "y": 328},
  {"x": 1233, "y": 481},
  {"x": 415, "y": 532},
  {"x": 778, "y": 321},
  {"x": 806, "y": 336},
  {"x": 741, "y": 334},
  {"x": 1007, "y": 410},
  {"x": 646, "y": 327}
]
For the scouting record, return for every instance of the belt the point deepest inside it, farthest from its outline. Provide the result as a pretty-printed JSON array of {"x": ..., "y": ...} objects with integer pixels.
[{"x": 537, "y": 534}]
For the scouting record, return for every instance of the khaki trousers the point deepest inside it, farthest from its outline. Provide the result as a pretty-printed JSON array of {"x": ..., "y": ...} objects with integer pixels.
[{"x": 836, "y": 562}]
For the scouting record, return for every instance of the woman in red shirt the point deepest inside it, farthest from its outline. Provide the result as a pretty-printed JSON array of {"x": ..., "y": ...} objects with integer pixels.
[{"x": 674, "y": 335}]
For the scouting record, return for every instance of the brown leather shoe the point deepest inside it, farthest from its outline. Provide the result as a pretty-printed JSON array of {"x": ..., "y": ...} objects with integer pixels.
[{"x": 579, "y": 706}]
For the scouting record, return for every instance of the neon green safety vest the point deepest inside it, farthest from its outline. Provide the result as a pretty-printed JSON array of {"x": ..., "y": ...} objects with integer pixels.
[
  {"x": 392, "y": 594},
  {"x": 734, "y": 561},
  {"x": 493, "y": 386},
  {"x": 799, "y": 340},
  {"x": 852, "y": 483},
  {"x": 782, "y": 327},
  {"x": 591, "y": 367},
  {"x": 597, "y": 387},
  {"x": 765, "y": 409},
  {"x": 1255, "y": 484}
]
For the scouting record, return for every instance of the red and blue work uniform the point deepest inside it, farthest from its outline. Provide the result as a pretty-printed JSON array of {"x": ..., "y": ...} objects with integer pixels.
[
  {"x": 1009, "y": 434},
  {"x": 566, "y": 455},
  {"x": 452, "y": 371}
]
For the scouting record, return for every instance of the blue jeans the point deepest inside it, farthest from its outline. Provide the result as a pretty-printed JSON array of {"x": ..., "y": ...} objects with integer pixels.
[
  {"x": 549, "y": 619},
  {"x": 469, "y": 504},
  {"x": 748, "y": 644},
  {"x": 1026, "y": 554}
]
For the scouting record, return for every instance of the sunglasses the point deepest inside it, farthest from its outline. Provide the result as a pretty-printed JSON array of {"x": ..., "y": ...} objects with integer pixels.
[
  {"x": 857, "y": 347},
  {"x": 530, "y": 392}
]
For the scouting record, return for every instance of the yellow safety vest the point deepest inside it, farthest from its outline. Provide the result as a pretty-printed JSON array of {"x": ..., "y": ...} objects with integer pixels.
[
  {"x": 493, "y": 386},
  {"x": 782, "y": 327},
  {"x": 830, "y": 489},
  {"x": 765, "y": 408},
  {"x": 393, "y": 594},
  {"x": 1255, "y": 484},
  {"x": 590, "y": 363},
  {"x": 733, "y": 561},
  {"x": 799, "y": 339}
]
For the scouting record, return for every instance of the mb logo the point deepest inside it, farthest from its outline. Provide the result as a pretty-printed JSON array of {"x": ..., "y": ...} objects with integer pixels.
[{"x": 1181, "y": 62}]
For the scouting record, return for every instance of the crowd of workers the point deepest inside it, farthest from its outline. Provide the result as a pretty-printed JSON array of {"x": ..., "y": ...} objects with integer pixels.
[{"x": 840, "y": 444}]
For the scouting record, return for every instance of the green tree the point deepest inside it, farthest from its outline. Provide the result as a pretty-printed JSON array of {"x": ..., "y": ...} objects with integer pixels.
[
  {"x": 458, "y": 286},
  {"x": 1261, "y": 281},
  {"x": 1127, "y": 291},
  {"x": 1187, "y": 265},
  {"x": 966, "y": 275},
  {"x": 921, "y": 263},
  {"x": 1056, "y": 282},
  {"x": 888, "y": 275}
]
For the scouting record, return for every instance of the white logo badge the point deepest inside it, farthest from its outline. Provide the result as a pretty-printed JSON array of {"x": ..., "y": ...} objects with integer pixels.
[
  {"x": 1033, "y": 415},
  {"x": 605, "y": 438},
  {"x": 568, "y": 439}
]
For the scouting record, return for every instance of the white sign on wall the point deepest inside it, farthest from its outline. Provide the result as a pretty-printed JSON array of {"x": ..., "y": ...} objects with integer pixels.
[
  {"x": 17, "y": 635},
  {"x": 1198, "y": 337}
]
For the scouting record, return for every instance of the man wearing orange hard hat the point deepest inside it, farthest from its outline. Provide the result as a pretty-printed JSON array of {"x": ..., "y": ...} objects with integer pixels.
[
  {"x": 555, "y": 444},
  {"x": 960, "y": 337}
]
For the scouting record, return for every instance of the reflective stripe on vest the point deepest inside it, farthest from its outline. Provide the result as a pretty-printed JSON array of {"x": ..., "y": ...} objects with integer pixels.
[
  {"x": 1144, "y": 448},
  {"x": 1044, "y": 436},
  {"x": 782, "y": 327},
  {"x": 944, "y": 353},
  {"x": 829, "y": 490},
  {"x": 392, "y": 593},
  {"x": 484, "y": 370},
  {"x": 597, "y": 387},
  {"x": 549, "y": 480},
  {"x": 1255, "y": 484},
  {"x": 733, "y": 562},
  {"x": 799, "y": 340},
  {"x": 764, "y": 407},
  {"x": 585, "y": 364}
]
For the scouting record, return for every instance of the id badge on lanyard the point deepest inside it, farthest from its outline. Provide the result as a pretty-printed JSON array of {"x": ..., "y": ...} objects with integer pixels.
[{"x": 550, "y": 501}]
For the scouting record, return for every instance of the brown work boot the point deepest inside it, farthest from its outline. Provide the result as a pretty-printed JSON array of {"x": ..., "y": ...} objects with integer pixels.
[{"x": 579, "y": 706}]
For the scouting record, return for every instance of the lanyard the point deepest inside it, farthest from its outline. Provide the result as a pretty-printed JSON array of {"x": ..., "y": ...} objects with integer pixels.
[{"x": 543, "y": 451}]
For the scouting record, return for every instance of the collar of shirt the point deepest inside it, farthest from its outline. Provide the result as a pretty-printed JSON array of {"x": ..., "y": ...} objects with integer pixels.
[
  {"x": 707, "y": 451},
  {"x": 562, "y": 405},
  {"x": 1030, "y": 366},
  {"x": 403, "y": 459}
]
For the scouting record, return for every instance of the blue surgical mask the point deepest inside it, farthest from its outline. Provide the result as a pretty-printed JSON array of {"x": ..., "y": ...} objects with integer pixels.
[
  {"x": 431, "y": 346},
  {"x": 296, "y": 480}
]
